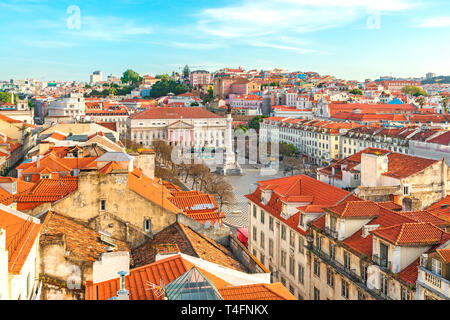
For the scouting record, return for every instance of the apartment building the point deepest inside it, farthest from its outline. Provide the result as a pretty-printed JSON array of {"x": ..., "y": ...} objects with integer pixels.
[
  {"x": 279, "y": 212},
  {"x": 361, "y": 250},
  {"x": 318, "y": 140}
]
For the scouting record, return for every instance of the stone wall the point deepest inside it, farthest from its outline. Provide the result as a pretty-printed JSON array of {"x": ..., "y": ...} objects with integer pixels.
[
  {"x": 245, "y": 257},
  {"x": 220, "y": 235},
  {"x": 121, "y": 203}
]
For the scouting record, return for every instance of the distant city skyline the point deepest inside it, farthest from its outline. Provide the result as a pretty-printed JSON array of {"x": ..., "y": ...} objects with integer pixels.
[{"x": 349, "y": 39}]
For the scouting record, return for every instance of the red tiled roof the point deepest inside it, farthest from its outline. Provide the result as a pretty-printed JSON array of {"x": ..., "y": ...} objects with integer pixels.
[
  {"x": 410, "y": 234},
  {"x": 166, "y": 270},
  {"x": 83, "y": 243},
  {"x": 50, "y": 190},
  {"x": 175, "y": 113},
  {"x": 263, "y": 291},
  {"x": 21, "y": 235},
  {"x": 356, "y": 209}
]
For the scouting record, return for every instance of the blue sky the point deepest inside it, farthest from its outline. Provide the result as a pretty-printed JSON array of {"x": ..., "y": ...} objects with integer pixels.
[{"x": 351, "y": 39}]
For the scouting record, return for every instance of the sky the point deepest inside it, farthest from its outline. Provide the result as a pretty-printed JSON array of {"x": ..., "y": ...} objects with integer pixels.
[{"x": 350, "y": 39}]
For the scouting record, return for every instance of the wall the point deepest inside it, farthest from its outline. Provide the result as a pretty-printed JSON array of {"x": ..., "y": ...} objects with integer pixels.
[
  {"x": 220, "y": 235},
  {"x": 121, "y": 202}
]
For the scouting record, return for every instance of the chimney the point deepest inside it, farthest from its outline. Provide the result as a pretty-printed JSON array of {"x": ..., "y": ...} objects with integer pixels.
[
  {"x": 44, "y": 146},
  {"x": 123, "y": 293},
  {"x": 109, "y": 265}
]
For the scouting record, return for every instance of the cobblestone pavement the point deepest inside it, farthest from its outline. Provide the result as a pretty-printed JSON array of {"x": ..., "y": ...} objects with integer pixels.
[{"x": 243, "y": 185}]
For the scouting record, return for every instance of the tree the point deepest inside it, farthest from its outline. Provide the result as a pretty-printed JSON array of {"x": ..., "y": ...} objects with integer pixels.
[
  {"x": 255, "y": 122},
  {"x": 287, "y": 149},
  {"x": 6, "y": 97},
  {"x": 163, "y": 87},
  {"x": 186, "y": 71},
  {"x": 220, "y": 189},
  {"x": 414, "y": 91},
  {"x": 163, "y": 77},
  {"x": 131, "y": 76},
  {"x": 292, "y": 164},
  {"x": 194, "y": 104},
  {"x": 356, "y": 91}
]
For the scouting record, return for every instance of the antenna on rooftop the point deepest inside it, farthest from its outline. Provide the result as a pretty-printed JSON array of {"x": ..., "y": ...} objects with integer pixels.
[{"x": 158, "y": 290}]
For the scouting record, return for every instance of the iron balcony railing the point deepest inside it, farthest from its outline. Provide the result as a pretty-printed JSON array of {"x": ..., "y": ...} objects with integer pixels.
[
  {"x": 349, "y": 273},
  {"x": 331, "y": 233},
  {"x": 381, "y": 262}
]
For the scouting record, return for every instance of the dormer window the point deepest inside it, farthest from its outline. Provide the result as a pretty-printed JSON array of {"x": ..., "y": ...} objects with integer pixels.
[
  {"x": 284, "y": 209},
  {"x": 436, "y": 266},
  {"x": 262, "y": 197},
  {"x": 14, "y": 187}
]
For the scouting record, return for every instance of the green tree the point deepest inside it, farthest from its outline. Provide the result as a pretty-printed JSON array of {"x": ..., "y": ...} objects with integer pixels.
[
  {"x": 356, "y": 91},
  {"x": 414, "y": 91},
  {"x": 186, "y": 71},
  {"x": 163, "y": 77},
  {"x": 287, "y": 149},
  {"x": 255, "y": 122},
  {"x": 6, "y": 97},
  {"x": 131, "y": 76},
  {"x": 163, "y": 87}
]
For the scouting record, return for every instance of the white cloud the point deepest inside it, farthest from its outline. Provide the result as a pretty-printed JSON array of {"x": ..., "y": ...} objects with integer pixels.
[
  {"x": 437, "y": 22},
  {"x": 279, "y": 46},
  {"x": 259, "y": 18},
  {"x": 108, "y": 28}
]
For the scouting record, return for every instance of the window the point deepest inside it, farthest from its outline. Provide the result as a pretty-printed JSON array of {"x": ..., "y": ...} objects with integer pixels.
[
  {"x": 102, "y": 205},
  {"x": 271, "y": 247},
  {"x": 330, "y": 277},
  {"x": 344, "y": 289},
  {"x": 301, "y": 273},
  {"x": 332, "y": 250},
  {"x": 254, "y": 234},
  {"x": 292, "y": 238},
  {"x": 436, "y": 266},
  {"x": 364, "y": 272},
  {"x": 316, "y": 294},
  {"x": 301, "y": 247},
  {"x": 361, "y": 295},
  {"x": 284, "y": 209},
  {"x": 254, "y": 211},
  {"x": 270, "y": 223},
  {"x": 27, "y": 178},
  {"x": 261, "y": 240},
  {"x": 262, "y": 216},
  {"x": 262, "y": 197},
  {"x": 302, "y": 217},
  {"x": 262, "y": 258},
  {"x": 346, "y": 260},
  {"x": 318, "y": 242},
  {"x": 317, "y": 267},
  {"x": 283, "y": 259},
  {"x": 405, "y": 294},
  {"x": 292, "y": 266},
  {"x": 384, "y": 284},
  {"x": 406, "y": 190},
  {"x": 291, "y": 289},
  {"x": 147, "y": 225},
  {"x": 283, "y": 281},
  {"x": 283, "y": 232}
]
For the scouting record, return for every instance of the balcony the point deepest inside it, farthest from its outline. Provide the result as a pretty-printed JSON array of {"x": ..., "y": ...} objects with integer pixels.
[
  {"x": 347, "y": 272},
  {"x": 382, "y": 262},
  {"x": 331, "y": 233},
  {"x": 434, "y": 283}
]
